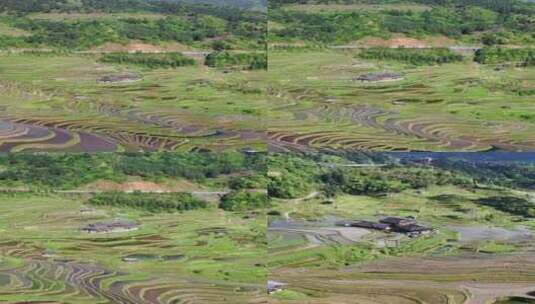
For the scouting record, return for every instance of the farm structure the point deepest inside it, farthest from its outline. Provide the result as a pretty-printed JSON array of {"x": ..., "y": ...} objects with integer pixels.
[
  {"x": 391, "y": 224},
  {"x": 113, "y": 226},
  {"x": 381, "y": 76},
  {"x": 406, "y": 225},
  {"x": 127, "y": 77},
  {"x": 365, "y": 224},
  {"x": 274, "y": 286}
]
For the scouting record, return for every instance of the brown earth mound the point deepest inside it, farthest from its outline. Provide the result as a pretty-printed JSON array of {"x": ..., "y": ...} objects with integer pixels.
[
  {"x": 143, "y": 186},
  {"x": 402, "y": 41},
  {"x": 142, "y": 47}
]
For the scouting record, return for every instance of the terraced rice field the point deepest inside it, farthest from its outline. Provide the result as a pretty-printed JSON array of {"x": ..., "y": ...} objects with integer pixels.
[
  {"x": 46, "y": 258},
  {"x": 469, "y": 279},
  {"x": 452, "y": 107},
  {"x": 307, "y": 100},
  {"x": 52, "y": 102},
  {"x": 450, "y": 266}
]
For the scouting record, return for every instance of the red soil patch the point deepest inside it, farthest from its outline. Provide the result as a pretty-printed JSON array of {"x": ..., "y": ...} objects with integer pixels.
[
  {"x": 402, "y": 41},
  {"x": 142, "y": 47},
  {"x": 143, "y": 186}
]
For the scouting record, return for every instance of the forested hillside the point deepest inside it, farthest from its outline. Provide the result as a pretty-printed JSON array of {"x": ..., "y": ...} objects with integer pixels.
[
  {"x": 476, "y": 21},
  {"x": 85, "y": 24},
  {"x": 121, "y": 5}
]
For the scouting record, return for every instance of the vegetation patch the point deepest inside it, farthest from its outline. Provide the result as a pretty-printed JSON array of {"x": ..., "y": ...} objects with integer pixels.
[
  {"x": 153, "y": 202},
  {"x": 493, "y": 55},
  {"x": 69, "y": 171},
  {"x": 244, "y": 200},
  {"x": 288, "y": 294},
  {"x": 153, "y": 61},
  {"x": 412, "y": 56},
  {"x": 510, "y": 204},
  {"x": 250, "y": 61}
]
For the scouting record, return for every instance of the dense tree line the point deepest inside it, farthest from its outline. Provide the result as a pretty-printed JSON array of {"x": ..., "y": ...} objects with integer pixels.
[
  {"x": 493, "y": 55},
  {"x": 503, "y": 21},
  {"x": 161, "y": 6},
  {"x": 508, "y": 174},
  {"x": 256, "y": 181},
  {"x": 165, "y": 60},
  {"x": 413, "y": 56},
  {"x": 324, "y": 28},
  {"x": 194, "y": 166},
  {"x": 385, "y": 180},
  {"x": 292, "y": 177},
  {"x": 83, "y": 34},
  {"x": 173, "y": 29},
  {"x": 182, "y": 22},
  {"x": 509, "y": 204},
  {"x": 153, "y": 202},
  {"x": 68, "y": 35},
  {"x": 68, "y": 171},
  {"x": 500, "y": 6},
  {"x": 250, "y": 61},
  {"x": 244, "y": 200},
  {"x": 12, "y": 42}
]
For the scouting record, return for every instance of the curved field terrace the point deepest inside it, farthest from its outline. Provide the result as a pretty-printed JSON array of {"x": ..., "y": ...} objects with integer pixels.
[
  {"x": 58, "y": 102},
  {"x": 450, "y": 107},
  {"x": 47, "y": 257}
]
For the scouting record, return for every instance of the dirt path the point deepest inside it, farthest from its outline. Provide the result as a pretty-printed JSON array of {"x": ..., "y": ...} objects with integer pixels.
[{"x": 307, "y": 197}]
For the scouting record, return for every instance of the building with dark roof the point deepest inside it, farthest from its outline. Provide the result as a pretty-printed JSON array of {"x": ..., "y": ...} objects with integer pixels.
[
  {"x": 381, "y": 76},
  {"x": 397, "y": 221},
  {"x": 113, "y": 226}
]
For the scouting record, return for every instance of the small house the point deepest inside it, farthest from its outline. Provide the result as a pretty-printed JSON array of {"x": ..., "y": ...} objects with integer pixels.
[
  {"x": 113, "y": 226},
  {"x": 397, "y": 221},
  {"x": 127, "y": 77},
  {"x": 414, "y": 230},
  {"x": 274, "y": 286},
  {"x": 382, "y": 76},
  {"x": 371, "y": 225}
]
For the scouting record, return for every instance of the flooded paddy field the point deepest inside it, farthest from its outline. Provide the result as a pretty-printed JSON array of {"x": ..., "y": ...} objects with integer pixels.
[
  {"x": 307, "y": 100},
  {"x": 53, "y": 102}
]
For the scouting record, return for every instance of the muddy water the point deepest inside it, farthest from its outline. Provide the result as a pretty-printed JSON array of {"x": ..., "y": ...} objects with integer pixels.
[
  {"x": 515, "y": 300},
  {"x": 94, "y": 143},
  {"x": 328, "y": 221},
  {"x": 483, "y": 233},
  {"x": 320, "y": 232},
  {"x": 16, "y": 134}
]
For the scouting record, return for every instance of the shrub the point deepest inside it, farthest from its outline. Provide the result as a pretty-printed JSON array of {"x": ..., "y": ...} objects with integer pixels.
[
  {"x": 153, "y": 61},
  {"x": 153, "y": 202},
  {"x": 244, "y": 200}
]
